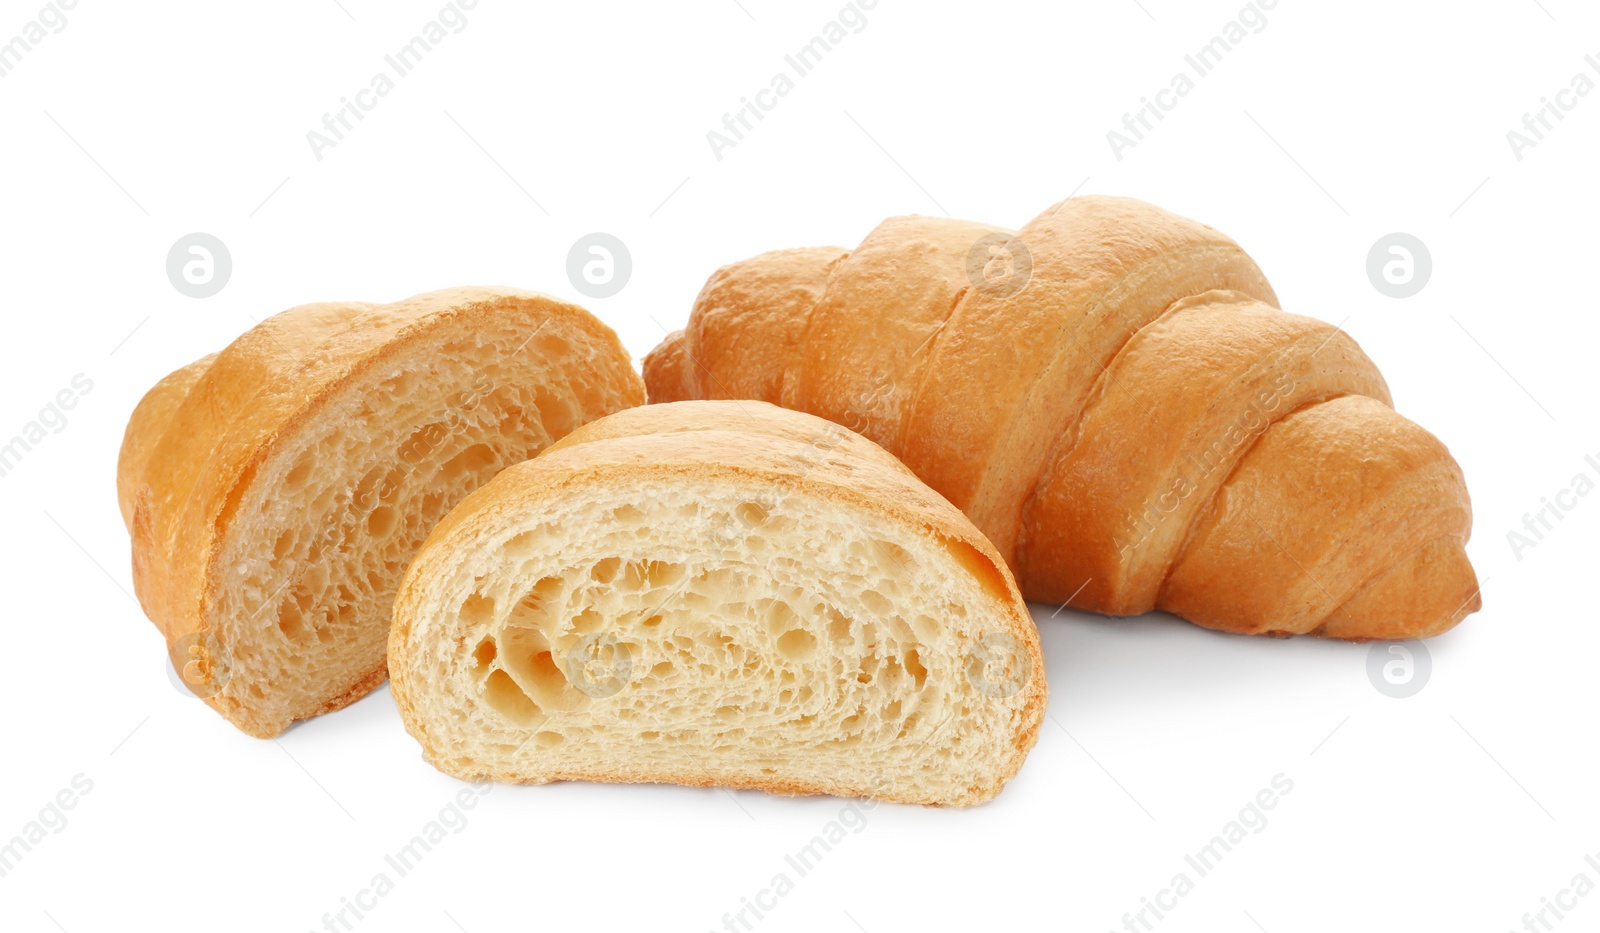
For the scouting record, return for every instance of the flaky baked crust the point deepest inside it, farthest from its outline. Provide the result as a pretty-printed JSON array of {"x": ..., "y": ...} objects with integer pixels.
[
  {"x": 1135, "y": 425},
  {"x": 209, "y": 441}
]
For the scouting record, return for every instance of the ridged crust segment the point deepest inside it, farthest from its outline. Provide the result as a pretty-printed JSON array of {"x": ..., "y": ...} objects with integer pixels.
[
  {"x": 1145, "y": 489},
  {"x": 1102, "y": 268},
  {"x": 205, "y": 479},
  {"x": 1105, "y": 424},
  {"x": 751, "y": 318},
  {"x": 862, "y": 373}
]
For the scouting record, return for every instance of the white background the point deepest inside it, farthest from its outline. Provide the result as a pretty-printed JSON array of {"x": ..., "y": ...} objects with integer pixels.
[{"x": 1460, "y": 808}]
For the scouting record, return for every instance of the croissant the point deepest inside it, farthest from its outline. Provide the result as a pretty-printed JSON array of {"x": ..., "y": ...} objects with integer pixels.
[
  {"x": 718, "y": 593},
  {"x": 1113, "y": 396},
  {"x": 276, "y": 491}
]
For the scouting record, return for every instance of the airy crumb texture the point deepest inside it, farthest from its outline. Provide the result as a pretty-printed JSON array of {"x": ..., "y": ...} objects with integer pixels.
[
  {"x": 276, "y": 492},
  {"x": 1113, "y": 396},
  {"x": 718, "y": 593}
]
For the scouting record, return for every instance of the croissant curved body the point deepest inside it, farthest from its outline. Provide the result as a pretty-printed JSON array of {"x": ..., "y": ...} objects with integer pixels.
[{"x": 1114, "y": 397}]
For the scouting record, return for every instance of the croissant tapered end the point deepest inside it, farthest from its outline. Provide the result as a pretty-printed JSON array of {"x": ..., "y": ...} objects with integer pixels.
[
  {"x": 1344, "y": 519},
  {"x": 1428, "y": 592},
  {"x": 1203, "y": 382}
]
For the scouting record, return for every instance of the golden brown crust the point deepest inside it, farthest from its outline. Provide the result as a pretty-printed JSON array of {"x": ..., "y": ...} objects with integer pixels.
[
  {"x": 257, "y": 394},
  {"x": 862, "y": 354},
  {"x": 1383, "y": 488},
  {"x": 364, "y": 685},
  {"x": 1112, "y": 511},
  {"x": 748, "y": 321},
  {"x": 1010, "y": 374},
  {"x": 663, "y": 370},
  {"x": 1437, "y": 576},
  {"x": 147, "y": 425},
  {"x": 738, "y": 441},
  {"x": 183, "y": 450},
  {"x": 1064, "y": 418}
]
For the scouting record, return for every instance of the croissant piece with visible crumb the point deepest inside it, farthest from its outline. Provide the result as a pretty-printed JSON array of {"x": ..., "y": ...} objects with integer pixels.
[
  {"x": 718, "y": 593},
  {"x": 276, "y": 491}
]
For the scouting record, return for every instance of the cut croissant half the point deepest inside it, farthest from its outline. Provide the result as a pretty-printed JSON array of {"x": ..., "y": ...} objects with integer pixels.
[
  {"x": 276, "y": 491},
  {"x": 718, "y": 593}
]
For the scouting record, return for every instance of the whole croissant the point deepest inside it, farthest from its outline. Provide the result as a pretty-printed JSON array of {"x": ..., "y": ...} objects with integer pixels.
[{"x": 1113, "y": 396}]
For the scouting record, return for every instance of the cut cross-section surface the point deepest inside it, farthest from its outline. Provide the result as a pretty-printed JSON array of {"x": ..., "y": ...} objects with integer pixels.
[
  {"x": 276, "y": 492},
  {"x": 721, "y": 593}
]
